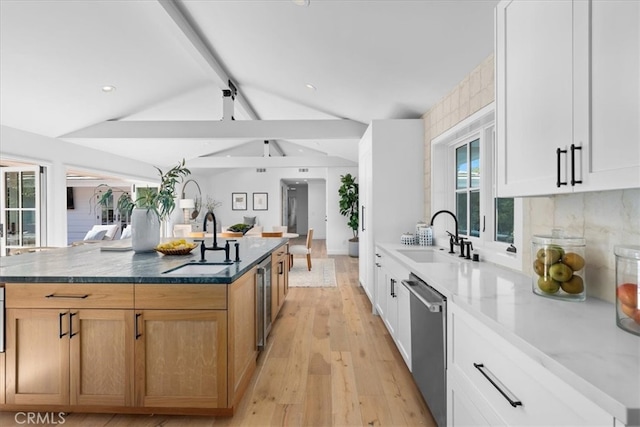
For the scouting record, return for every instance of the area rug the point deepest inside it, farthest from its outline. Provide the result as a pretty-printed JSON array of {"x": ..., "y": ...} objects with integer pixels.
[{"x": 322, "y": 274}]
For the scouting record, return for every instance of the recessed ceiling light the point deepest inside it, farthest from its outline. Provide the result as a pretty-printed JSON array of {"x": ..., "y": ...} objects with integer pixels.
[
  {"x": 302, "y": 2},
  {"x": 310, "y": 86},
  {"x": 108, "y": 89},
  {"x": 301, "y": 150}
]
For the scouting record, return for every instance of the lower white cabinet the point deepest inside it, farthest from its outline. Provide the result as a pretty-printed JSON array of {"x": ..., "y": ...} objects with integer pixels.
[
  {"x": 392, "y": 302},
  {"x": 490, "y": 382}
]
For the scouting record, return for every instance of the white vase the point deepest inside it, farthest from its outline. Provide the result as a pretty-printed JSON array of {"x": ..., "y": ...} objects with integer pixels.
[{"x": 145, "y": 230}]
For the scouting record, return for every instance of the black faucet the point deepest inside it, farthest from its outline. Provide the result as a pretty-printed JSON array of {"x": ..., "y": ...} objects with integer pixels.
[
  {"x": 453, "y": 239},
  {"x": 215, "y": 247}
]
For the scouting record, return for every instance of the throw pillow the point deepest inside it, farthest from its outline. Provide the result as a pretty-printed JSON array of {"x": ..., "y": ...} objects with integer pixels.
[
  {"x": 250, "y": 220},
  {"x": 95, "y": 234}
]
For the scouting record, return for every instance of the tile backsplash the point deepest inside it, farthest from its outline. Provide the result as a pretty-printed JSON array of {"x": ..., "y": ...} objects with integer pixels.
[{"x": 603, "y": 218}]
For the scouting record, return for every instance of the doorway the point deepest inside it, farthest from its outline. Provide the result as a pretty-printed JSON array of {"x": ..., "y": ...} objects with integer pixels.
[{"x": 304, "y": 206}]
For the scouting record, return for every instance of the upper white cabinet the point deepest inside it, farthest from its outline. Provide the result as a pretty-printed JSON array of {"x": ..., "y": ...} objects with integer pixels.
[
  {"x": 391, "y": 179},
  {"x": 567, "y": 96}
]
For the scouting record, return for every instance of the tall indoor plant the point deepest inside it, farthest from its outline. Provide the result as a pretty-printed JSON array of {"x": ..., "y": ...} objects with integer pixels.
[
  {"x": 152, "y": 207},
  {"x": 348, "y": 204}
]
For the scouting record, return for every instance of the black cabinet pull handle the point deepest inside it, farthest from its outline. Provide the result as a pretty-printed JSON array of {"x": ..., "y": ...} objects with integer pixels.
[
  {"x": 67, "y": 296},
  {"x": 573, "y": 165},
  {"x": 137, "y": 331},
  {"x": 71, "y": 333},
  {"x": 362, "y": 219},
  {"x": 480, "y": 367},
  {"x": 281, "y": 268},
  {"x": 60, "y": 333},
  {"x": 558, "y": 182},
  {"x": 393, "y": 288}
]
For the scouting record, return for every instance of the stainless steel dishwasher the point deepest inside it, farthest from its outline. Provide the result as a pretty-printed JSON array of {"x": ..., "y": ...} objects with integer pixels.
[{"x": 429, "y": 345}]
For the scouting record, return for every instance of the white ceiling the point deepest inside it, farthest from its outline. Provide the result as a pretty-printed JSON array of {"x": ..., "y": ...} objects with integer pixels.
[{"x": 367, "y": 59}]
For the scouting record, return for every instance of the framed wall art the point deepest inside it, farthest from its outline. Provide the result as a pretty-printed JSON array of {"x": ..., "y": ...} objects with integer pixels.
[
  {"x": 260, "y": 201},
  {"x": 239, "y": 201}
]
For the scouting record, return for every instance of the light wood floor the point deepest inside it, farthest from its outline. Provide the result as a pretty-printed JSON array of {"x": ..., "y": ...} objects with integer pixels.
[{"x": 329, "y": 362}]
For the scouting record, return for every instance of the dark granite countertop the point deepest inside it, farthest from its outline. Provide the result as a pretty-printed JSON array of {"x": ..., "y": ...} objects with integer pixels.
[{"x": 89, "y": 264}]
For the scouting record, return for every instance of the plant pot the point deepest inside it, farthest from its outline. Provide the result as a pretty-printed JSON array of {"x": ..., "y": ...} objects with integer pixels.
[
  {"x": 145, "y": 230},
  {"x": 354, "y": 246}
]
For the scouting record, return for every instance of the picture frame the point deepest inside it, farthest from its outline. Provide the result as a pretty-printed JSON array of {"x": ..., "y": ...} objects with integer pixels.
[
  {"x": 260, "y": 201},
  {"x": 239, "y": 201}
]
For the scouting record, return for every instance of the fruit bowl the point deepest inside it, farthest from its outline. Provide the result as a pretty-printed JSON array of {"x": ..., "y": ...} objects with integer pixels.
[
  {"x": 176, "y": 247},
  {"x": 559, "y": 267}
]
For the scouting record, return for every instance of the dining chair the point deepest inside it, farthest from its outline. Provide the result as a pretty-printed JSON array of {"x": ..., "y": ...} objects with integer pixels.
[
  {"x": 302, "y": 250},
  {"x": 181, "y": 230}
]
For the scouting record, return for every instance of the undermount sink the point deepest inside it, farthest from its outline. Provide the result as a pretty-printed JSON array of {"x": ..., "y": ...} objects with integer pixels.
[
  {"x": 426, "y": 256},
  {"x": 196, "y": 268}
]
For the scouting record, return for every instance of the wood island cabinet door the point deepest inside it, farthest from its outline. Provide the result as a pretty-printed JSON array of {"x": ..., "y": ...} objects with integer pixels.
[
  {"x": 37, "y": 357},
  {"x": 181, "y": 358},
  {"x": 101, "y": 357}
]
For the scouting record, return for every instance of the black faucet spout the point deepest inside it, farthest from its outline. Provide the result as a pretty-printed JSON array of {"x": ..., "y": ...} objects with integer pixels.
[
  {"x": 454, "y": 239},
  {"x": 215, "y": 247},
  {"x": 215, "y": 227}
]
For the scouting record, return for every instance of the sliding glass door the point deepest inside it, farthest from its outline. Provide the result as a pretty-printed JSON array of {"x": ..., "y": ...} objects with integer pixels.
[{"x": 20, "y": 208}]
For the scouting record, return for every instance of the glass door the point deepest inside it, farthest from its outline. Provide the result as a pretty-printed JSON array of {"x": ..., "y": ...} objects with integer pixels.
[{"x": 20, "y": 208}]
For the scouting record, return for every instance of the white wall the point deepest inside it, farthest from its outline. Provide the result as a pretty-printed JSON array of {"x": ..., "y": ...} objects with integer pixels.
[
  {"x": 57, "y": 156},
  {"x": 221, "y": 185}
]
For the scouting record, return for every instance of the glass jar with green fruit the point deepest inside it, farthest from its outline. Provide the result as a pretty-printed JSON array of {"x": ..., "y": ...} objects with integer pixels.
[
  {"x": 559, "y": 266},
  {"x": 627, "y": 291}
]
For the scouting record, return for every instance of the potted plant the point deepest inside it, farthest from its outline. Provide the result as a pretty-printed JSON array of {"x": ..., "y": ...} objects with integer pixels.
[
  {"x": 154, "y": 206},
  {"x": 348, "y": 204}
]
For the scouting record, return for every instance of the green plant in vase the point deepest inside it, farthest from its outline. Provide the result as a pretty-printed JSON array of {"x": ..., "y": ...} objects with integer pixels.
[
  {"x": 152, "y": 206},
  {"x": 348, "y": 204}
]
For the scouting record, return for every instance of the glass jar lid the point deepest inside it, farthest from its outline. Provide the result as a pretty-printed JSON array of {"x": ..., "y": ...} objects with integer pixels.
[
  {"x": 557, "y": 240},
  {"x": 627, "y": 251}
]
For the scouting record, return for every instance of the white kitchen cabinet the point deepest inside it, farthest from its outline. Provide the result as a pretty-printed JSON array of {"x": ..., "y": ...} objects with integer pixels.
[
  {"x": 517, "y": 390},
  {"x": 403, "y": 335},
  {"x": 558, "y": 128},
  {"x": 393, "y": 302},
  {"x": 615, "y": 95},
  {"x": 391, "y": 179}
]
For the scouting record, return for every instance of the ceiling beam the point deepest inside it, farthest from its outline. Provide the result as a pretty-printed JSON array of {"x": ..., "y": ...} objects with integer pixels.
[
  {"x": 241, "y": 129},
  {"x": 204, "y": 52},
  {"x": 268, "y": 162}
]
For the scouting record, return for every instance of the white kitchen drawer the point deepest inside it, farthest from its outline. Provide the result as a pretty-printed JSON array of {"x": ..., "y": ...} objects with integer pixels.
[{"x": 545, "y": 399}]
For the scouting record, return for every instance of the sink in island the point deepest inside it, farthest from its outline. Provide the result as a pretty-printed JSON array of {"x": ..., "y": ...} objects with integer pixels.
[{"x": 92, "y": 330}]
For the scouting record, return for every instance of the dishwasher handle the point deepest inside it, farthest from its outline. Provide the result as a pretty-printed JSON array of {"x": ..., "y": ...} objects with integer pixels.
[{"x": 434, "y": 307}]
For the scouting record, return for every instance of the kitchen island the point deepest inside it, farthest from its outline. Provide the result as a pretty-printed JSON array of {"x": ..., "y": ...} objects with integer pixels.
[{"x": 93, "y": 330}]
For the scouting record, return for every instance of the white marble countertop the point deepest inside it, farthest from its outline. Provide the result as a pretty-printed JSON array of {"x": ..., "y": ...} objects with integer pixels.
[{"x": 579, "y": 342}]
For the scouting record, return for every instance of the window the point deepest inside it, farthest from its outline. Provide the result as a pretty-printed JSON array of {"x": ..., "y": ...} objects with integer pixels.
[
  {"x": 467, "y": 191},
  {"x": 463, "y": 174}
]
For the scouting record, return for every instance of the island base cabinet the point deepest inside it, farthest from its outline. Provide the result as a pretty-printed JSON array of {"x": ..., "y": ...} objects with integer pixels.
[
  {"x": 181, "y": 358},
  {"x": 89, "y": 357}
]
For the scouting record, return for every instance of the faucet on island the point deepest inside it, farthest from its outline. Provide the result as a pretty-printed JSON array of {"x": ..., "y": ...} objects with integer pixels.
[
  {"x": 215, "y": 247},
  {"x": 454, "y": 240}
]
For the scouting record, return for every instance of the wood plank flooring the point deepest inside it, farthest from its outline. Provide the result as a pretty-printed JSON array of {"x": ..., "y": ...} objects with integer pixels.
[{"x": 329, "y": 362}]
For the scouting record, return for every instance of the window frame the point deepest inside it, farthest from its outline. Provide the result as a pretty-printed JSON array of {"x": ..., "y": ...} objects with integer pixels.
[{"x": 480, "y": 125}]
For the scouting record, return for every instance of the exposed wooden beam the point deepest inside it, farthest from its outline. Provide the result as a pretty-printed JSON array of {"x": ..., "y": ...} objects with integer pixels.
[
  {"x": 268, "y": 162},
  {"x": 201, "y": 52},
  {"x": 229, "y": 129}
]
